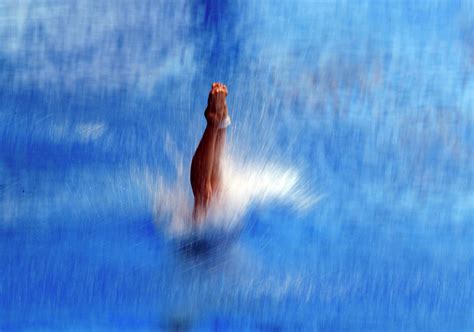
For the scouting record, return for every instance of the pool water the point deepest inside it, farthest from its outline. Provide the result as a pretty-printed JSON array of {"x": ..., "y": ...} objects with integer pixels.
[{"x": 349, "y": 165}]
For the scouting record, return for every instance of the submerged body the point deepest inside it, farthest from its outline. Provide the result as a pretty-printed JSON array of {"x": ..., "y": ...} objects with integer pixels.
[{"x": 206, "y": 172}]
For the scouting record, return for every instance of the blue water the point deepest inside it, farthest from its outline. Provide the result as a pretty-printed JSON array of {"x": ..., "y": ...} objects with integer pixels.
[{"x": 369, "y": 102}]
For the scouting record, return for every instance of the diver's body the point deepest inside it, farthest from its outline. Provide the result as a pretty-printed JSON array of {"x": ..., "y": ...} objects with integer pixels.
[{"x": 206, "y": 173}]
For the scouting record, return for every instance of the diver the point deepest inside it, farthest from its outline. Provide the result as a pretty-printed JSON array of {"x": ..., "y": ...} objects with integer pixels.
[{"x": 206, "y": 172}]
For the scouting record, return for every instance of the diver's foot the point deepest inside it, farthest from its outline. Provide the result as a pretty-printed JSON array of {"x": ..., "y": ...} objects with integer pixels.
[
  {"x": 216, "y": 111},
  {"x": 218, "y": 88}
]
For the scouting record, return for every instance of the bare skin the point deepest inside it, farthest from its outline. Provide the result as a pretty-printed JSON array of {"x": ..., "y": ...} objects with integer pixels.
[{"x": 206, "y": 173}]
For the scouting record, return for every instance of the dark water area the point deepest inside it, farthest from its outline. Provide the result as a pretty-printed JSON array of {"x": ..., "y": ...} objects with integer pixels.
[{"x": 366, "y": 106}]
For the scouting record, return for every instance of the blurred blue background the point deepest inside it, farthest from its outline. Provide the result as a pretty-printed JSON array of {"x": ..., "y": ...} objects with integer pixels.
[{"x": 372, "y": 102}]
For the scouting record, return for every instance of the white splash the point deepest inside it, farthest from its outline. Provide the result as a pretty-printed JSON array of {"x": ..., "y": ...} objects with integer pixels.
[{"x": 244, "y": 184}]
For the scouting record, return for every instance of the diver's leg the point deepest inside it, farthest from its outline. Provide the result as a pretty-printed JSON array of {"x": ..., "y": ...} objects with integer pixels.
[
  {"x": 202, "y": 199},
  {"x": 201, "y": 173},
  {"x": 216, "y": 177},
  {"x": 205, "y": 166}
]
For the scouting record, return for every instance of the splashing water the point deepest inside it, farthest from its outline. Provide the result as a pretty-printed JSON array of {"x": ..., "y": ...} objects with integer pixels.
[{"x": 245, "y": 184}]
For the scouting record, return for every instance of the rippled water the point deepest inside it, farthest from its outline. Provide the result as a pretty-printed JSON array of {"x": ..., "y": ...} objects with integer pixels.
[{"x": 349, "y": 165}]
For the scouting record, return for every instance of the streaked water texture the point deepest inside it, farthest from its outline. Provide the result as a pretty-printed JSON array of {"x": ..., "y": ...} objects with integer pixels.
[{"x": 349, "y": 165}]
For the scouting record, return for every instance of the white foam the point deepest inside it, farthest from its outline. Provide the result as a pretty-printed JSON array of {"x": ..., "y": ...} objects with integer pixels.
[{"x": 244, "y": 184}]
